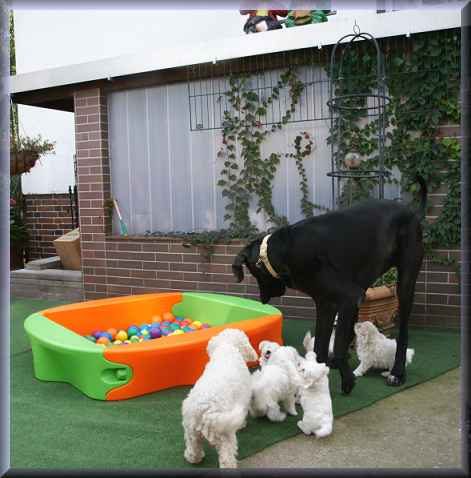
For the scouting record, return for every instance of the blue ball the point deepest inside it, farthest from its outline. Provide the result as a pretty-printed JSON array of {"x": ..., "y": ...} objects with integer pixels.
[
  {"x": 179, "y": 319},
  {"x": 155, "y": 325},
  {"x": 107, "y": 335}
]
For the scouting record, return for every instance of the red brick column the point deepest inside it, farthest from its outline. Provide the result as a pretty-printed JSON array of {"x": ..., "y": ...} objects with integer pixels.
[
  {"x": 47, "y": 218},
  {"x": 93, "y": 183}
]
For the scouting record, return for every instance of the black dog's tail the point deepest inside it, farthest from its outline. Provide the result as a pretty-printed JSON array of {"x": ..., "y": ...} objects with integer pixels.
[{"x": 423, "y": 195}]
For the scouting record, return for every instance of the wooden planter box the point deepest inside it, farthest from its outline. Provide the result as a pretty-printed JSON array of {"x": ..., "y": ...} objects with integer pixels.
[{"x": 380, "y": 307}]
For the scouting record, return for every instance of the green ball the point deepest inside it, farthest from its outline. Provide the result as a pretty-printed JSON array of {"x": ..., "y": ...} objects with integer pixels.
[{"x": 134, "y": 339}]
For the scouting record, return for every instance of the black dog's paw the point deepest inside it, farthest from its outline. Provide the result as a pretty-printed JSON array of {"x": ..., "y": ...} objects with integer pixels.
[
  {"x": 394, "y": 380},
  {"x": 348, "y": 384}
]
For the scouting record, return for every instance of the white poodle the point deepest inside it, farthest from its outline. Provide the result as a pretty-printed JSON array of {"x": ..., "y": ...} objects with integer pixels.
[
  {"x": 266, "y": 348},
  {"x": 315, "y": 397},
  {"x": 310, "y": 341},
  {"x": 375, "y": 350},
  {"x": 217, "y": 405},
  {"x": 276, "y": 383}
]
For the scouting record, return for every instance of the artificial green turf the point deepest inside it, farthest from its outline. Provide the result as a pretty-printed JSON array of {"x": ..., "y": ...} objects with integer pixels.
[{"x": 55, "y": 426}]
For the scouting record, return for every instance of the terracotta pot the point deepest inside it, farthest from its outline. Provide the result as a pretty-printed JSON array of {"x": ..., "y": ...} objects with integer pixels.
[
  {"x": 22, "y": 161},
  {"x": 380, "y": 307}
]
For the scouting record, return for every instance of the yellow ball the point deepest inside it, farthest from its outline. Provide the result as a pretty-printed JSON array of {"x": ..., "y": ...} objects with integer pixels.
[
  {"x": 197, "y": 324},
  {"x": 178, "y": 332},
  {"x": 121, "y": 335},
  {"x": 117, "y": 342}
]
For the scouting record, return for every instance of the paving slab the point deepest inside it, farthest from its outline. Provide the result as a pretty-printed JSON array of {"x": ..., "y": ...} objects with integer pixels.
[{"x": 419, "y": 427}]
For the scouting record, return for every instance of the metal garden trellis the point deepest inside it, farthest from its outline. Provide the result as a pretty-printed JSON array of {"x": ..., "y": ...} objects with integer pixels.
[{"x": 372, "y": 100}]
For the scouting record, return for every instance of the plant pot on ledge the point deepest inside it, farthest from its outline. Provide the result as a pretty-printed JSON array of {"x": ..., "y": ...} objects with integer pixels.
[{"x": 380, "y": 307}]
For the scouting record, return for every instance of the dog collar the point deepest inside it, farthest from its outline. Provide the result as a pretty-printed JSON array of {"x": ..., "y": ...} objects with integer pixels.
[{"x": 263, "y": 257}]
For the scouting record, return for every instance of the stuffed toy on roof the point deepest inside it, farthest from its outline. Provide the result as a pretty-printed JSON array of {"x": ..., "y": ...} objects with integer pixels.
[
  {"x": 262, "y": 20},
  {"x": 306, "y": 17}
]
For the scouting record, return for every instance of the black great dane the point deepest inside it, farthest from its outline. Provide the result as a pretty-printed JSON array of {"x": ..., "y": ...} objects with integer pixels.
[{"x": 334, "y": 258}]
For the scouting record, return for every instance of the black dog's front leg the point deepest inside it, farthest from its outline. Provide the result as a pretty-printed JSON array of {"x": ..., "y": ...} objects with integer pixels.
[{"x": 344, "y": 332}]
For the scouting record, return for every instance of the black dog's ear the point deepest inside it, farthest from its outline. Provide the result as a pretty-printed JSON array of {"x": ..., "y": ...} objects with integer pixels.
[{"x": 239, "y": 261}]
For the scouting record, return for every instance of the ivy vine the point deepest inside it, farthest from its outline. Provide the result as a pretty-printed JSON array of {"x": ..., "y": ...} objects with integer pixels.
[
  {"x": 246, "y": 174},
  {"x": 423, "y": 86}
]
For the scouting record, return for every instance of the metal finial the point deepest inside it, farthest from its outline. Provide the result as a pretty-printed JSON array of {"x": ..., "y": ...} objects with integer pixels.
[{"x": 356, "y": 28}]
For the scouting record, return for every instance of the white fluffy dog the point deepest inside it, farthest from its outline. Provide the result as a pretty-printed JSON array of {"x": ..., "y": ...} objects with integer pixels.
[
  {"x": 375, "y": 350},
  {"x": 315, "y": 397},
  {"x": 276, "y": 383},
  {"x": 309, "y": 341},
  {"x": 266, "y": 348},
  {"x": 217, "y": 405}
]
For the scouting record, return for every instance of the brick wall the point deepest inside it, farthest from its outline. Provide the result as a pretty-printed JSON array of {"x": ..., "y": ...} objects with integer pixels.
[
  {"x": 115, "y": 266},
  {"x": 47, "y": 217}
]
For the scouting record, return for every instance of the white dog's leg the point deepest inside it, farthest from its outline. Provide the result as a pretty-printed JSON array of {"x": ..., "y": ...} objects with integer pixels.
[
  {"x": 289, "y": 404},
  {"x": 362, "y": 368},
  {"x": 274, "y": 413},
  {"x": 386, "y": 373},
  {"x": 304, "y": 427},
  {"x": 194, "y": 452},
  {"x": 324, "y": 430},
  {"x": 227, "y": 451}
]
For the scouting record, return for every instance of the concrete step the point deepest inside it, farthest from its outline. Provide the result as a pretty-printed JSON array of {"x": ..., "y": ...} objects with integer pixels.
[{"x": 45, "y": 263}]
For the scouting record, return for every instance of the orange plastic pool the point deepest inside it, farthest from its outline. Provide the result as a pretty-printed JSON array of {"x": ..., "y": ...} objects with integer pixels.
[{"x": 62, "y": 353}]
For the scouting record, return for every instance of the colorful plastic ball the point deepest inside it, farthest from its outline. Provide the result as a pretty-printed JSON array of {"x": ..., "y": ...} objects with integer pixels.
[
  {"x": 157, "y": 318},
  {"x": 155, "y": 325},
  {"x": 117, "y": 342},
  {"x": 168, "y": 316},
  {"x": 205, "y": 326},
  {"x": 134, "y": 339},
  {"x": 126, "y": 341},
  {"x": 165, "y": 332},
  {"x": 187, "y": 329},
  {"x": 121, "y": 335},
  {"x": 144, "y": 332},
  {"x": 178, "y": 332},
  {"x": 112, "y": 331},
  {"x": 132, "y": 330},
  {"x": 197, "y": 324},
  {"x": 179, "y": 319},
  {"x": 96, "y": 334},
  {"x": 107, "y": 335},
  {"x": 103, "y": 340},
  {"x": 155, "y": 333}
]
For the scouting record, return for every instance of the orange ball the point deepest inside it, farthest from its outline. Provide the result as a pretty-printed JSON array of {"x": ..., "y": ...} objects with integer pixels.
[
  {"x": 156, "y": 318},
  {"x": 168, "y": 316},
  {"x": 112, "y": 332},
  {"x": 103, "y": 341}
]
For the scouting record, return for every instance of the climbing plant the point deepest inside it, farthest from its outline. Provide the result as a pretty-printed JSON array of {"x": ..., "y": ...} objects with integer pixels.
[
  {"x": 423, "y": 86},
  {"x": 246, "y": 175}
]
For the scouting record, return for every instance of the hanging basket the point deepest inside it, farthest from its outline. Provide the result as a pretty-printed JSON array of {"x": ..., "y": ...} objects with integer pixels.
[
  {"x": 380, "y": 307},
  {"x": 22, "y": 161}
]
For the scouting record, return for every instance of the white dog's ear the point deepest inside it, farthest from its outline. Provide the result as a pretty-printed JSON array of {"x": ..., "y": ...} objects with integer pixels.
[
  {"x": 212, "y": 344},
  {"x": 248, "y": 352}
]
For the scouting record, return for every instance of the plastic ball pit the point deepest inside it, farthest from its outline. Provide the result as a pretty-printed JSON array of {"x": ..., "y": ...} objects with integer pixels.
[{"x": 62, "y": 353}]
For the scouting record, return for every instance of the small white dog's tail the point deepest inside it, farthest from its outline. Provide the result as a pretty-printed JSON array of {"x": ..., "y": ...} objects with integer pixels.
[
  {"x": 308, "y": 342},
  {"x": 409, "y": 356},
  {"x": 218, "y": 423}
]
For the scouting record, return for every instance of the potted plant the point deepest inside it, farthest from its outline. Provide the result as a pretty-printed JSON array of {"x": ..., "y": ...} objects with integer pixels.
[
  {"x": 18, "y": 236},
  {"x": 25, "y": 151},
  {"x": 381, "y": 305}
]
